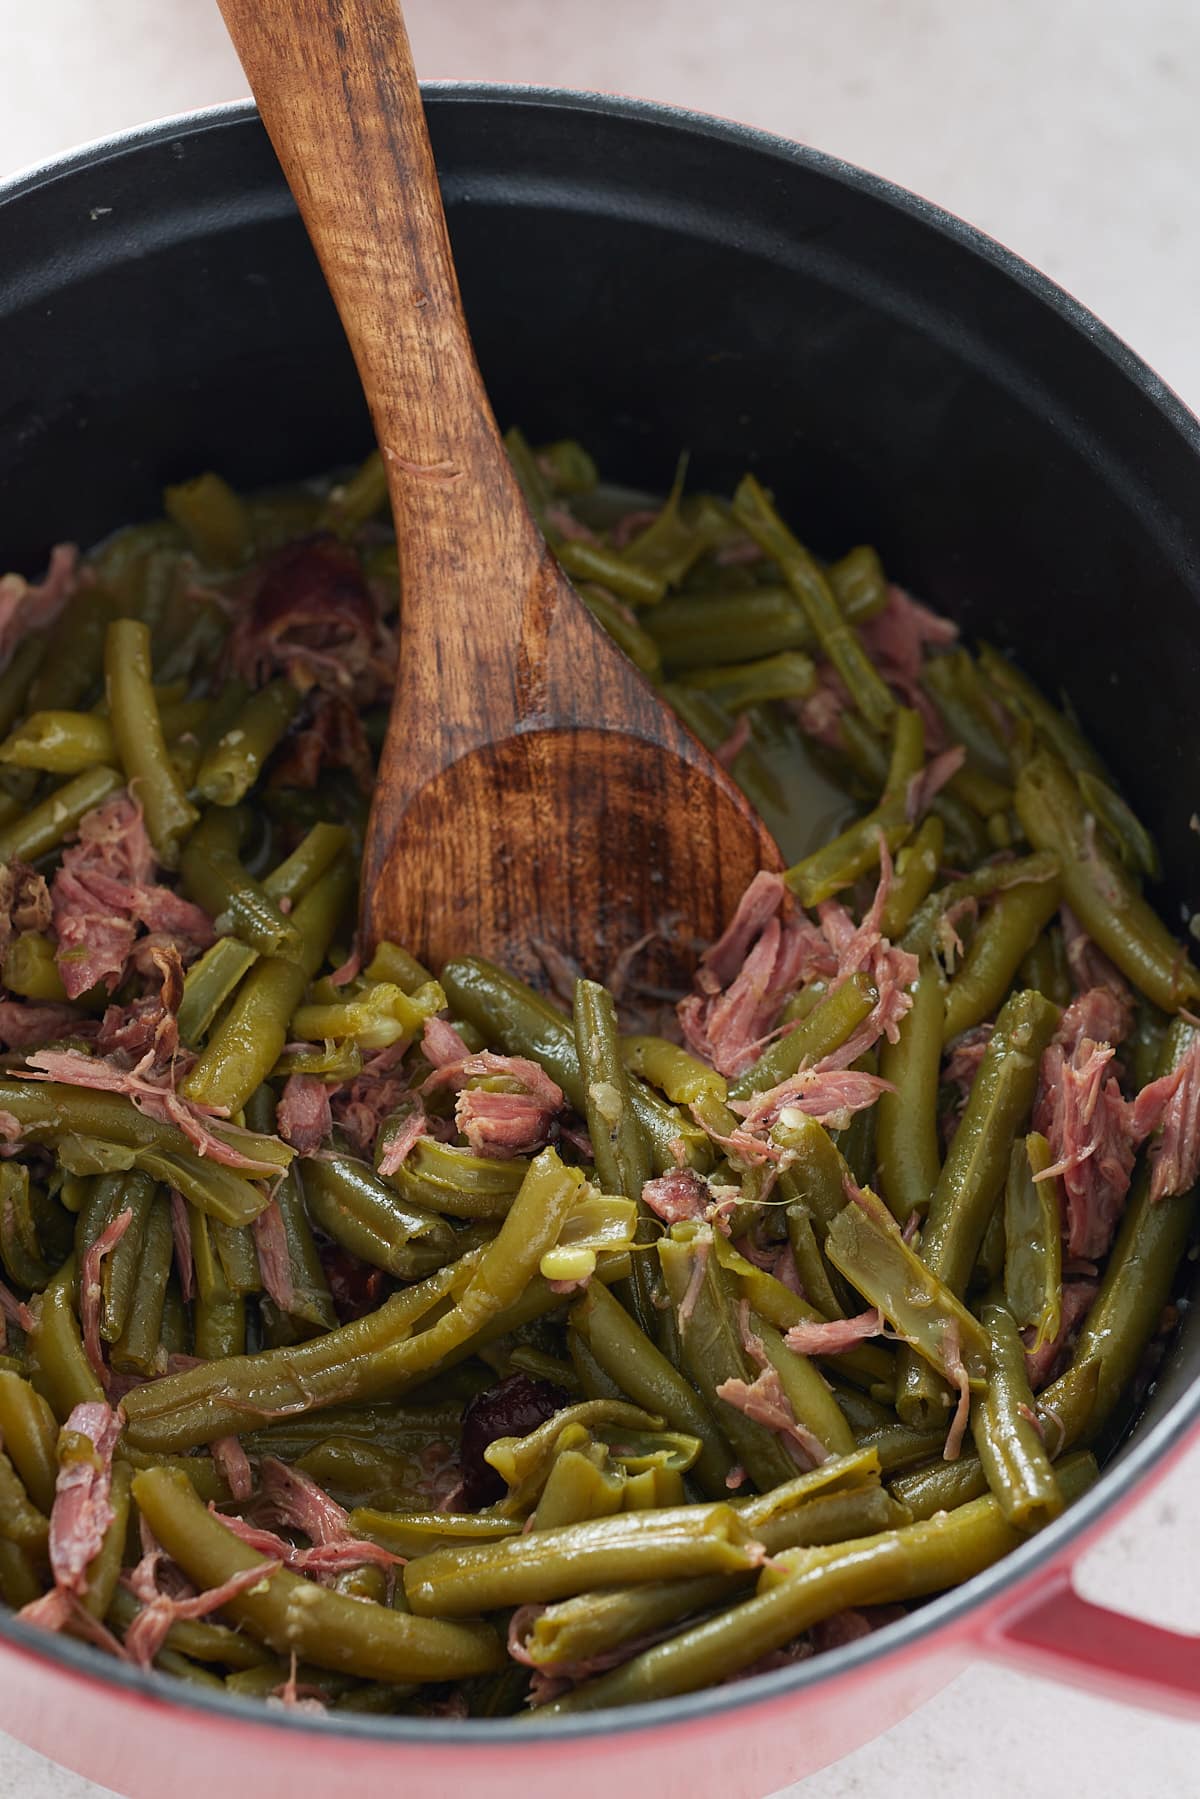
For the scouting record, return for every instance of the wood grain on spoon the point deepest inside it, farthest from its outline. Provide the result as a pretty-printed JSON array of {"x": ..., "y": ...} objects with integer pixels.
[{"x": 533, "y": 786}]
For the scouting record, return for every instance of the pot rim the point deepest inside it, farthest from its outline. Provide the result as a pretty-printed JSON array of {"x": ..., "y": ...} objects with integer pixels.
[{"x": 1146, "y": 1448}]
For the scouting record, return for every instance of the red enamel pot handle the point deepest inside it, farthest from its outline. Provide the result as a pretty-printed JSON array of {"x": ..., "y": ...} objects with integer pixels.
[{"x": 1068, "y": 1638}]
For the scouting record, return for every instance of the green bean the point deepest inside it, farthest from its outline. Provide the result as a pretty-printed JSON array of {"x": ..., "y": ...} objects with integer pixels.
[
  {"x": 869, "y": 1365},
  {"x": 1098, "y": 889},
  {"x": 921, "y": 937},
  {"x": 101, "y": 1205},
  {"x": 19, "y": 1584},
  {"x": 214, "y": 519},
  {"x": 1007, "y": 932},
  {"x": 1026, "y": 701},
  {"x": 810, "y": 1262},
  {"x": 44, "y": 826},
  {"x": 290, "y": 1613},
  {"x": 59, "y": 1369},
  {"x": 29, "y": 1433},
  {"x": 553, "y": 1564},
  {"x": 352, "y": 503},
  {"x": 859, "y": 583},
  {"x": 119, "y": 1273},
  {"x": 375, "y": 1018},
  {"x": 457, "y": 1182},
  {"x": 856, "y": 1140},
  {"x": 1133, "y": 842},
  {"x": 104, "y": 1569},
  {"x": 909, "y": 1161},
  {"x": 346, "y": 1200},
  {"x": 247, "y": 1043},
  {"x": 631, "y": 1360},
  {"x": 76, "y": 669},
  {"x": 1064, "y": 1411},
  {"x": 214, "y": 877},
  {"x": 839, "y": 863},
  {"x": 1033, "y": 1240},
  {"x": 977, "y": 1162},
  {"x": 616, "y": 618},
  {"x": 310, "y": 1301},
  {"x": 976, "y": 789},
  {"x": 975, "y": 1170},
  {"x": 378, "y": 1353},
  {"x": 138, "y": 734},
  {"x": 830, "y": 1498},
  {"x": 17, "y": 678},
  {"x": 20, "y": 1251},
  {"x": 579, "y": 1487},
  {"x": 837, "y": 637},
  {"x": 864, "y": 1242},
  {"x": 219, "y": 1314},
  {"x": 1045, "y": 967},
  {"x": 75, "y": 1118},
  {"x": 509, "y": 1012},
  {"x": 712, "y": 1353},
  {"x": 392, "y": 963},
  {"x": 213, "y": 978},
  {"x": 916, "y": 871},
  {"x": 198, "y": 1638},
  {"x": 680, "y": 1075},
  {"x": 239, "y": 1257},
  {"x": 714, "y": 726},
  {"x": 235, "y": 761},
  {"x": 619, "y": 1143},
  {"x": 805, "y": 1586},
  {"x": 20, "y": 1520},
  {"x": 31, "y": 970},
  {"x": 200, "y": 1470},
  {"x": 813, "y": 1405},
  {"x": 834, "y": 1019},
  {"x": 696, "y": 633},
  {"x": 1007, "y": 1435},
  {"x": 419, "y": 1533},
  {"x": 788, "y": 675},
  {"x": 138, "y": 1350},
  {"x": 953, "y": 682},
  {"x": 586, "y": 561},
  {"x": 62, "y": 743}
]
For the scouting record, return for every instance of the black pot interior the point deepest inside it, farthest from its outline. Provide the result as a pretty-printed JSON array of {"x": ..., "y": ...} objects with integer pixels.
[{"x": 647, "y": 283}]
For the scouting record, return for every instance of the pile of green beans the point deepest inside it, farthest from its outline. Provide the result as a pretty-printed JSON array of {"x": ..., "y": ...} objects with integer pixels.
[{"x": 598, "y": 1419}]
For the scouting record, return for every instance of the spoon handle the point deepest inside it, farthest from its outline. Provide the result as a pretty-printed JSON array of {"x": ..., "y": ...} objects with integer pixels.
[{"x": 337, "y": 91}]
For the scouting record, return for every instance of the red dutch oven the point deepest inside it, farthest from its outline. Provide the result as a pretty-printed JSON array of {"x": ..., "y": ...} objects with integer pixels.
[{"x": 644, "y": 280}]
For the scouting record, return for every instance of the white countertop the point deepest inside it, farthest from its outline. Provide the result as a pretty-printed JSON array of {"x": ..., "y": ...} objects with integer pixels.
[{"x": 1066, "y": 128}]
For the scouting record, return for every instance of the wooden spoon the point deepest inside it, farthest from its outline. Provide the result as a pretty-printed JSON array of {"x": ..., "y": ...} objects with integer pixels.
[{"x": 533, "y": 787}]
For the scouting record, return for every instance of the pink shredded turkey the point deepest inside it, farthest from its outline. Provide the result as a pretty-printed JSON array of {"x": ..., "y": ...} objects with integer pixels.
[
  {"x": 764, "y": 1401},
  {"x": 1094, "y": 1131},
  {"x": 148, "y": 1633},
  {"x": 104, "y": 890},
  {"x": 27, "y": 606},
  {"x": 830, "y": 1095},
  {"x": 156, "y": 1099},
  {"x": 146, "y": 1031},
  {"x": 677, "y": 1196},
  {"x": 304, "y": 1118},
  {"x": 274, "y": 1256},
  {"x": 835, "y": 1336},
  {"x": 81, "y": 1512},
  {"x": 498, "y": 1122}
]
